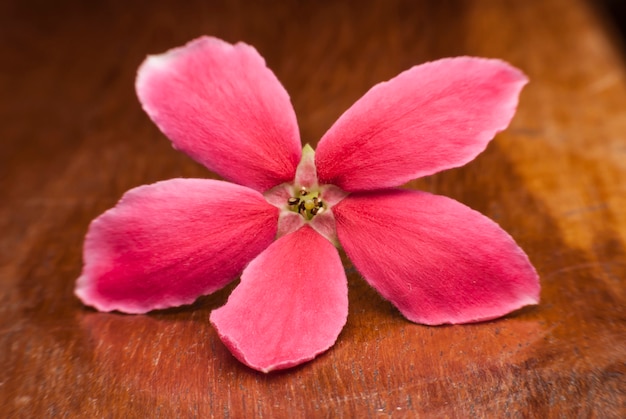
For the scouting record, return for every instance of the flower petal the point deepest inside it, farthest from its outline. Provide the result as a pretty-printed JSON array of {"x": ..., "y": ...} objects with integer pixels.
[
  {"x": 221, "y": 105},
  {"x": 165, "y": 244},
  {"x": 429, "y": 118},
  {"x": 435, "y": 259},
  {"x": 306, "y": 175},
  {"x": 290, "y": 306}
]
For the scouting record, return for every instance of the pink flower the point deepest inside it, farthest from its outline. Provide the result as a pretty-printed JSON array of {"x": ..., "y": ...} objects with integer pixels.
[{"x": 279, "y": 223}]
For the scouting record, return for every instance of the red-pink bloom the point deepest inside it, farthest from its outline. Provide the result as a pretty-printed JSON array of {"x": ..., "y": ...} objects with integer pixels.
[{"x": 435, "y": 259}]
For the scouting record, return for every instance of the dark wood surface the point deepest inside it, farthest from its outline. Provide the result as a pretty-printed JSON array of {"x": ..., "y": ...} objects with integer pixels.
[{"x": 74, "y": 138}]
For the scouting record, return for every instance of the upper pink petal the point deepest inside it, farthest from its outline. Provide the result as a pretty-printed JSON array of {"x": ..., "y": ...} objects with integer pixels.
[
  {"x": 429, "y": 118},
  {"x": 290, "y": 306},
  {"x": 306, "y": 175},
  {"x": 435, "y": 259},
  {"x": 165, "y": 244},
  {"x": 221, "y": 105}
]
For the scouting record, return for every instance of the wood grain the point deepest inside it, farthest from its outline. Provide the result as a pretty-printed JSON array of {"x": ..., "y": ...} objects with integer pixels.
[{"x": 74, "y": 138}]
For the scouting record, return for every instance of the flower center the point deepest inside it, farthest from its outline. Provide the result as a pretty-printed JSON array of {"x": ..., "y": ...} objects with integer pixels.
[{"x": 307, "y": 203}]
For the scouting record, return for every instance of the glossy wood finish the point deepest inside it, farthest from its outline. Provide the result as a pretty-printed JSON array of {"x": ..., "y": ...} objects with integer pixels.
[{"x": 74, "y": 138}]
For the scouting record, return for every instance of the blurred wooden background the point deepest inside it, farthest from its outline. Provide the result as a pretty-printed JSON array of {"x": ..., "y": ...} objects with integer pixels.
[{"x": 73, "y": 138}]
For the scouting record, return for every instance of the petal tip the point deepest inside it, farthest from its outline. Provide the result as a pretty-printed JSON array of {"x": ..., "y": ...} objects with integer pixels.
[
  {"x": 86, "y": 293},
  {"x": 259, "y": 364}
]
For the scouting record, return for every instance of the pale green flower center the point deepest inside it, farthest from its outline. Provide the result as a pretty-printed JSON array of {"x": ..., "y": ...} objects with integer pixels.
[{"x": 307, "y": 203}]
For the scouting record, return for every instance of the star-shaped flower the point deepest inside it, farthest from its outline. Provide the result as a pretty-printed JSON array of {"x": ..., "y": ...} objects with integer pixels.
[{"x": 288, "y": 208}]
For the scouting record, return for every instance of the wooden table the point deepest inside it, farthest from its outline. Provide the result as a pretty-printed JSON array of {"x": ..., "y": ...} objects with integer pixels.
[{"x": 74, "y": 138}]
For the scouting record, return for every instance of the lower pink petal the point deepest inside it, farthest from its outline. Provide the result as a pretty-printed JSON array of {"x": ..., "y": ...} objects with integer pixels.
[
  {"x": 435, "y": 259},
  {"x": 166, "y": 244},
  {"x": 290, "y": 306}
]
